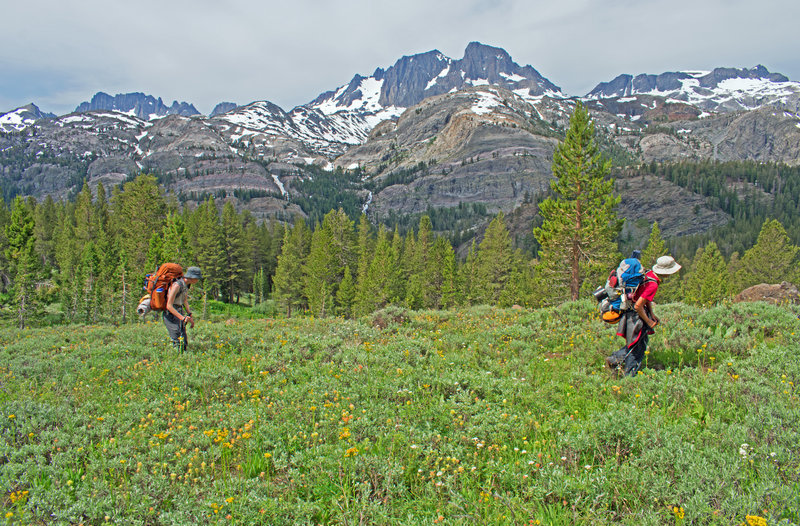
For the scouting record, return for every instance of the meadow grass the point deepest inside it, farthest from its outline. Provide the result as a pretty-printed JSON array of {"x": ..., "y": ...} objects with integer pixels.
[{"x": 483, "y": 416}]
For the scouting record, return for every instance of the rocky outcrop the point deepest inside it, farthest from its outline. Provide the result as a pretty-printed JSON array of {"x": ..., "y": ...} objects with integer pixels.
[
  {"x": 780, "y": 294},
  {"x": 475, "y": 146}
]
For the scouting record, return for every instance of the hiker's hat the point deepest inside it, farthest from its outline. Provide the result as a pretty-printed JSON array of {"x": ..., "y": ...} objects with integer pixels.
[
  {"x": 193, "y": 273},
  {"x": 666, "y": 265}
]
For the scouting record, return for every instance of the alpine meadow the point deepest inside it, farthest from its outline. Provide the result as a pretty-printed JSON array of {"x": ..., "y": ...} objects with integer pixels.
[{"x": 406, "y": 333}]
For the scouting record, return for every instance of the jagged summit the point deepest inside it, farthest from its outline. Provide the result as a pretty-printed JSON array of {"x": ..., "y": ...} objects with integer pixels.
[
  {"x": 142, "y": 106},
  {"x": 414, "y": 78}
]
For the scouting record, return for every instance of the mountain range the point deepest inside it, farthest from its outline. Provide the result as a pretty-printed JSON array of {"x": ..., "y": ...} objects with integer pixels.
[{"x": 428, "y": 132}]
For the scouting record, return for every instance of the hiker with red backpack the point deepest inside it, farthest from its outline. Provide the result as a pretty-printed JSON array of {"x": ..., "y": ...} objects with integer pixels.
[
  {"x": 636, "y": 324},
  {"x": 177, "y": 313},
  {"x": 167, "y": 290}
]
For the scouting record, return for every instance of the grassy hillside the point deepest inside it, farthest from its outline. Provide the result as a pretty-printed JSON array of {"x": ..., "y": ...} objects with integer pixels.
[{"x": 482, "y": 416}]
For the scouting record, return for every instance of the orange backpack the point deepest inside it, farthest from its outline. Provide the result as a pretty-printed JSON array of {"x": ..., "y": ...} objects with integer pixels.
[{"x": 157, "y": 284}]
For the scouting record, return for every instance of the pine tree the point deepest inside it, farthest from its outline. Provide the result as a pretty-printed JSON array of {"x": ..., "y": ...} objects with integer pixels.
[
  {"x": 396, "y": 277},
  {"x": 209, "y": 246},
  {"x": 655, "y": 247},
  {"x": 22, "y": 258},
  {"x": 319, "y": 273},
  {"x": 138, "y": 211},
  {"x": 708, "y": 283},
  {"x": 260, "y": 289},
  {"x": 365, "y": 254},
  {"x": 518, "y": 289},
  {"x": 44, "y": 232},
  {"x": 440, "y": 253},
  {"x": 469, "y": 276},
  {"x": 5, "y": 272},
  {"x": 449, "y": 289},
  {"x": 84, "y": 217},
  {"x": 67, "y": 259},
  {"x": 772, "y": 259},
  {"x": 288, "y": 279},
  {"x": 235, "y": 257},
  {"x": 377, "y": 290},
  {"x": 580, "y": 224},
  {"x": 258, "y": 243},
  {"x": 331, "y": 252},
  {"x": 87, "y": 285},
  {"x": 494, "y": 265},
  {"x": 175, "y": 246},
  {"x": 417, "y": 257},
  {"x": 107, "y": 247},
  {"x": 155, "y": 252}
]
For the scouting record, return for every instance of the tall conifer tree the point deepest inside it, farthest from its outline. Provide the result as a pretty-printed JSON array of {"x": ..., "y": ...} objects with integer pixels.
[
  {"x": 21, "y": 255},
  {"x": 708, "y": 283},
  {"x": 209, "y": 246},
  {"x": 655, "y": 247},
  {"x": 45, "y": 219},
  {"x": 495, "y": 258},
  {"x": 288, "y": 279},
  {"x": 580, "y": 224},
  {"x": 773, "y": 259},
  {"x": 235, "y": 257},
  {"x": 139, "y": 210}
]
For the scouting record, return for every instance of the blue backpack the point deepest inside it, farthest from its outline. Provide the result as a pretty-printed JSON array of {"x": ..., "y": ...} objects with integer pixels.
[{"x": 621, "y": 285}]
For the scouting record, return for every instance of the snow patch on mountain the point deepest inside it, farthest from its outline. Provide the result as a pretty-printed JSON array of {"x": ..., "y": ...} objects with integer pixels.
[
  {"x": 15, "y": 121},
  {"x": 278, "y": 182},
  {"x": 485, "y": 102}
]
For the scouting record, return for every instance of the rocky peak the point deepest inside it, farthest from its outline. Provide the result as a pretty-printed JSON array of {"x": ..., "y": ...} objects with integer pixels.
[
  {"x": 720, "y": 90},
  {"x": 141, "y": 105},
  {"x": 405, "y": 82},
  {"x": 713, "y": 79},
  {"x": 414, "y": 78},
  {"x": 482, "y": 61},
  {"x": 223, "y": 107},
  {"x": 22, "y": 117}
]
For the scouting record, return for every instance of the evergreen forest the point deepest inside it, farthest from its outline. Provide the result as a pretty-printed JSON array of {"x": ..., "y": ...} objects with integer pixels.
[{"x": 83, "y": 260}]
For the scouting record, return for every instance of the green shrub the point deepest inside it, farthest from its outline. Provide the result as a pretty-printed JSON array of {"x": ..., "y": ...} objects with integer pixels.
[{"x": 483, "y": 415}]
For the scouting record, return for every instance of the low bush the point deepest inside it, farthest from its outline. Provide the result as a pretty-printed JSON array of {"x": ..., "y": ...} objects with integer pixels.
[{"x": 487, "y": 416}]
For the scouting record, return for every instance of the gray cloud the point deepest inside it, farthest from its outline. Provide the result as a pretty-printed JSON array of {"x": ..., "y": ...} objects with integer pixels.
[{"x": 58, "y": 54}]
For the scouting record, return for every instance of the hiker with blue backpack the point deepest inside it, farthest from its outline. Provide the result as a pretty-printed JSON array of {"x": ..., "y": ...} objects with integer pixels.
[{"x": 630, "y": 304}]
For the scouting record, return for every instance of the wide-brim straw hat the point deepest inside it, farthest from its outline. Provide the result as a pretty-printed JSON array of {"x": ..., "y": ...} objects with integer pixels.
[{"x": 666, "y": 265}]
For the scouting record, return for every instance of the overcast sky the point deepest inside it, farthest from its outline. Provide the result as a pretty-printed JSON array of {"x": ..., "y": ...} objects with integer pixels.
[{"x": 57, "y": 53}]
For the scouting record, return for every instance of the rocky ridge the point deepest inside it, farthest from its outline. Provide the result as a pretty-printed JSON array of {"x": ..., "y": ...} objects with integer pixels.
[
  {"x": 21, "y": 118},
  {"x": 428, "y": 132},
  {"x": 142, "y": 106}
]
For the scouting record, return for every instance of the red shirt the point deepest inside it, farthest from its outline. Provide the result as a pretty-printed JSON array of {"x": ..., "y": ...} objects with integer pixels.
[{"x": 648, "y": 290}]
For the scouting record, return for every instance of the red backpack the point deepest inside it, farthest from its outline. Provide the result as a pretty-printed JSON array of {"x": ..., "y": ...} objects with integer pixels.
[{"x": 157, "y": 284}]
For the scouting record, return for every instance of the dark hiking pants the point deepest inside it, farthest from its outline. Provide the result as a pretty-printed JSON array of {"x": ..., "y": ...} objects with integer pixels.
[
  {"x": 177, "y": 330},
  {"x": 629, "y": 359}
]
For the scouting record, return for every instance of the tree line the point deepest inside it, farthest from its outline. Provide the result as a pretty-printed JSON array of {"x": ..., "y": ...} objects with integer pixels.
[
  {"x": 86, "y": 258},
  {"x": 751, "y": 192},
  {"x": 89, "y": 256}
]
